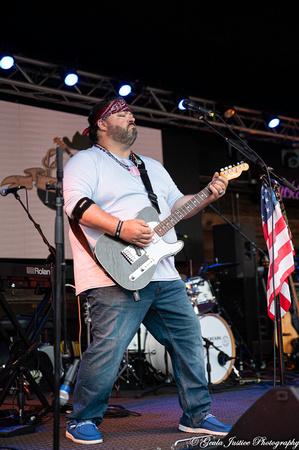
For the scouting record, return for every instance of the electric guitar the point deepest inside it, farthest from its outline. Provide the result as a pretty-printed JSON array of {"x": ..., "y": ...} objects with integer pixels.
[{"x": 133, "y": 267}]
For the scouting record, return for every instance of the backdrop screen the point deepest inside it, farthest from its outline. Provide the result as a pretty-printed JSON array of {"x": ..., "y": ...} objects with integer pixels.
[{"x": 29, "y": 138}]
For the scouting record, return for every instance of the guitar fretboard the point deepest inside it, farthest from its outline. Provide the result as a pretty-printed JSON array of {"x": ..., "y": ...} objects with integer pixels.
[{"x": 182, "y": 212}]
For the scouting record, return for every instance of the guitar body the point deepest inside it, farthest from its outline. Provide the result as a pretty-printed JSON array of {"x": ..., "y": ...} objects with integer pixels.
[
  {"x": 288, "y": 333},
  {"x": 133, "y": 267},
  {"x": 122, "y": 262}
]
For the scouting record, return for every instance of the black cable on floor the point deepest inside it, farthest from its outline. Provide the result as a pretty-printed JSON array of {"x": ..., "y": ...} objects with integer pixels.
[{"x": 117, "y": 411}]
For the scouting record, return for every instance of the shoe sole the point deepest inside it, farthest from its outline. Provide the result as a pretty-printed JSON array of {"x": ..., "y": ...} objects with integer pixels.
[
  {"x": 81, "y": 441},
  {"x": 201, "y": 430}
]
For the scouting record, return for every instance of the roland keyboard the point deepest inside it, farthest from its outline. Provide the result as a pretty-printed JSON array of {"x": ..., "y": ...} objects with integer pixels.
[{"x": 23, "y": 274}]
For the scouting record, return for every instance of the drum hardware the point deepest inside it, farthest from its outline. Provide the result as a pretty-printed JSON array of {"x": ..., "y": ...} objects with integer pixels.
[
  {"x": 126, "y": 368},
  {"x": 200, "y": 293},
  {"x": 222, "y": 358},
  {"x": 164, "y": 379},
  {"x": 217, "y": 331},
  {"x": 87, "y": 320},
  {"x": 220, "y": 266},
  {"x": 136, "y": 354}
]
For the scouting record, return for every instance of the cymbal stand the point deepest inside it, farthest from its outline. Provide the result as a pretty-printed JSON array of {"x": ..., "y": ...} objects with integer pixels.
[
  {"x": 157, "y": 374},
  {"x": 128, "y": 368}
]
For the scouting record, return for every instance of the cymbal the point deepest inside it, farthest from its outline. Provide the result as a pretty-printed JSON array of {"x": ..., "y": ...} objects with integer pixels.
[{"x": 219, "y": 265}]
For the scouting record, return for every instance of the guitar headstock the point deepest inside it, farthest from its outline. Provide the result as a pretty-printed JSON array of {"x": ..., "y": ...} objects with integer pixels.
[{"x": 232, "y": 172}]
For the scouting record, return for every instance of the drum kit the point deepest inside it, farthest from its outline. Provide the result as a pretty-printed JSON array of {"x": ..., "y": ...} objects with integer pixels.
[{"x": 218, "y": 339}]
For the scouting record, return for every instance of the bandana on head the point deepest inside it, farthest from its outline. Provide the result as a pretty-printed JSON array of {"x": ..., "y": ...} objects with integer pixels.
[{"x": 113, "y": 108}]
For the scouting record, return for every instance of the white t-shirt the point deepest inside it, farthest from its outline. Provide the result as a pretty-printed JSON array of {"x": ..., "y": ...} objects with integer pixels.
[{"x": 94, "y": 174}]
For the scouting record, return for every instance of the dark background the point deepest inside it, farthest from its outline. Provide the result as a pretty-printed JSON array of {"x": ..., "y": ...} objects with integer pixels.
[{"x": 239, "y": 52}]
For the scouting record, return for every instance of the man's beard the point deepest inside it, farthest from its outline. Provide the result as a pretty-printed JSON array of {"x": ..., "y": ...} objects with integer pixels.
[{"x": 126, "y": 137}]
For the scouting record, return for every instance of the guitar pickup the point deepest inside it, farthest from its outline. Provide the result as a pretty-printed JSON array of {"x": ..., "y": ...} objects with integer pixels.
[{"x": 132, "y": 253}]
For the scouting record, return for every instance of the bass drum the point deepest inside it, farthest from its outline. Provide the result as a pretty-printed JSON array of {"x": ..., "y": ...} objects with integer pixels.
[{"x": 215, "y": 329}]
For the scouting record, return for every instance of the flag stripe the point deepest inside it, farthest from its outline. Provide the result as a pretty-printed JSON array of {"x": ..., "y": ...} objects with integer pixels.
[{"x": 275, "y": 229}]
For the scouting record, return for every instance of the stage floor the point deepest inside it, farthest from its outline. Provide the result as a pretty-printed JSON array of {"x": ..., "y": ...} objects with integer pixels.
[{"x": 149, "y": 422}]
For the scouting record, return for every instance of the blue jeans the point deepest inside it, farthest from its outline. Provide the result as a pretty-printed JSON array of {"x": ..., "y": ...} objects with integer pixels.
[{"x": 167, "y": 313}]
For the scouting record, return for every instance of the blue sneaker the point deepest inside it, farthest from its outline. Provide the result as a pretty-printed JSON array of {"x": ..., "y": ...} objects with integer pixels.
[
  {"x": 83, "y": 432},
  {"x": 209, "y": 426}
]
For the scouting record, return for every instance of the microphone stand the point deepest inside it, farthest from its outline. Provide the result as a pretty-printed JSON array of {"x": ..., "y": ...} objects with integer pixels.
[
  {"x": 37, "y": 227},
  {"x": 250, "y": 154},
  {"x": 207, "y": 345},
  {"x": 59, "y": 292}
]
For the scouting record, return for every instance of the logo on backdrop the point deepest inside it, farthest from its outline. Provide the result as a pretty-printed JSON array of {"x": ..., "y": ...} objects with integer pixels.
[
  {"x": 38, "y": 177},
  {"x": 287, "y": 193}
]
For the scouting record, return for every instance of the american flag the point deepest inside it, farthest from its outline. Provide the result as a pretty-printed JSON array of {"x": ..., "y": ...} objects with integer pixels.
[{"x": 283, "y": 251}]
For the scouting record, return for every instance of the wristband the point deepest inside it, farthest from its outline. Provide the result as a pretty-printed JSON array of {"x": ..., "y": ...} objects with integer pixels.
[{"x": 117, "y": 233}]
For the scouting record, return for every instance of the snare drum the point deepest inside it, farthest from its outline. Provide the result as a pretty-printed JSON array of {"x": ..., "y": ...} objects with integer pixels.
[
  {"x": 200, "y": 294},
  {"x": 215, "y": 329}
]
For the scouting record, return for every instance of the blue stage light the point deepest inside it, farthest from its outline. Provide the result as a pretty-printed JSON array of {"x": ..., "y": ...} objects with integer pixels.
[
  {"x": 6, "y": 62},
  {"x": 124, "y": 90},
  {"x": 273, "y": 122},
  {"x": 71, "y": 79},
  {"x": 181, "y": 106}
]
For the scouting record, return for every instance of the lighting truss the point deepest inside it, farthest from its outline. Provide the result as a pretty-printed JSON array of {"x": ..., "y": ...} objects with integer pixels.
[{"x": 42, "y": 82}]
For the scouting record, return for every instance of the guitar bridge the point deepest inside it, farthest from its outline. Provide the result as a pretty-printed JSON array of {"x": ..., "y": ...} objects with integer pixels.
[{"x": 132, "y": 253}]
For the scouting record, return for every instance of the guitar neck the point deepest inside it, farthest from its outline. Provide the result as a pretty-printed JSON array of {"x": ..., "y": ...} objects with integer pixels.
[{"x": 182, "y": 212}]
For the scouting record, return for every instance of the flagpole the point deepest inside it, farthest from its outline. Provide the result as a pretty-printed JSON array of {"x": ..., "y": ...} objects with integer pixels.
[{"x": 279, "y": 342}]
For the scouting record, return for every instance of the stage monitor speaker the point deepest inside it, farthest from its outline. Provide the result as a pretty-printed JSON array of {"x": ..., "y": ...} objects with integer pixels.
[
  {"x": 274, "y": 417},
  {"x": 238, "y": 298},
  {"x": 231, "y": 247}
]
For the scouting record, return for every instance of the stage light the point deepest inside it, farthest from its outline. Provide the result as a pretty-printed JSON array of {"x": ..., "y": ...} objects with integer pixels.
[
  {"x": 181, "y": 105},
  {"x": 71, "y": 78},
  {"x": 124, "y": 90},
  {"x": 273, "y": 122},
  {"x": 6, "y": 62},
  {"x": 230, "y": 112}
]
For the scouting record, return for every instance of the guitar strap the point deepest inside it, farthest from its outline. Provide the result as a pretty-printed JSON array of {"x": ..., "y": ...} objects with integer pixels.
[
  {"x": 77, "y": 230},
  {"x": 146, "y": 181}
]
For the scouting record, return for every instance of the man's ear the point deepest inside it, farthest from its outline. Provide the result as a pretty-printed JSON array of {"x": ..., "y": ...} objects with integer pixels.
[{"x": 101, "y": 124}]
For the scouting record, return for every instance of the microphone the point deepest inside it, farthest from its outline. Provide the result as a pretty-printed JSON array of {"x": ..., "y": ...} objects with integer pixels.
[
  {"x": 223, "y": 358},
  {"x": 192, "y": 106},
  {"x": 5, "y": 192},
  {"x": 68, "y": 382}
]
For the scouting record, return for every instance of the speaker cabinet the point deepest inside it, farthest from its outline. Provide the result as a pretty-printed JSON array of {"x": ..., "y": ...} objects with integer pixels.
[
  {"x": 246, "y": 310},
  {"x": 273, "y": 417},
  {"x": 231, "y": 247}
]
